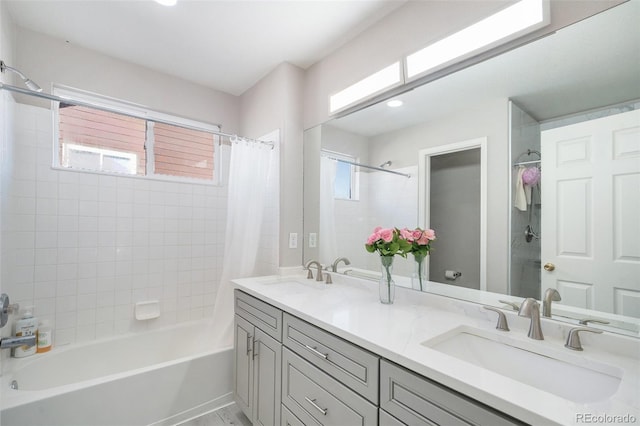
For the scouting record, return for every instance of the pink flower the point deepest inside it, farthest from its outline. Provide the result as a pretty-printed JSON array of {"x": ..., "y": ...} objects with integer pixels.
[
  {"x": 427, "y": 235},
  {"x": 406, "y": 234},
  {"x": 373, "y": 238},
  {"x": 386, "y": 235},
  {"x": 416, "y": 234},
  {"x": 431, "y": 234}
]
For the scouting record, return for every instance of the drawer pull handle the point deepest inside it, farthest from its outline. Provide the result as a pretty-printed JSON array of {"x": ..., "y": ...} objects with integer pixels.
[
  {"x": 315, "y": 351},
  {"x": 316, "y": 406}
]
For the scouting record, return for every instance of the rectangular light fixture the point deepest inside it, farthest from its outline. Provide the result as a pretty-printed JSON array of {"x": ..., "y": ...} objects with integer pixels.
[
  {"x": 514, "y": 21},
  {"x": 374, "y": 84}
]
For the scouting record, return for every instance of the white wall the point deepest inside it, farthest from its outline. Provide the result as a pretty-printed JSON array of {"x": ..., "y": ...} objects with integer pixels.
[
  {"x": 48, "y": 60},
  {"x": 275, "y": 102}
]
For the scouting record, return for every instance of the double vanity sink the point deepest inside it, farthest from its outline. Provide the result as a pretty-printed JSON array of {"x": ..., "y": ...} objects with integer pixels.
[{"x": 455, "y": 344}]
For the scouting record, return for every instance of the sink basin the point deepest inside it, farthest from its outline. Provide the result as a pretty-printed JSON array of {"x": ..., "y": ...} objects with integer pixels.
[
  {"x": 565, "y": 375},
  {"x": 291, "y": 282}
]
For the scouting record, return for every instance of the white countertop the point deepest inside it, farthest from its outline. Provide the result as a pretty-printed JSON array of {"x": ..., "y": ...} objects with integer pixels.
[{"x": 350, "y": 309}]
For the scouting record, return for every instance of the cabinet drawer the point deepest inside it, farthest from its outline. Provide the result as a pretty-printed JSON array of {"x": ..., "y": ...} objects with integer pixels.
[
  {"x": 264, "y": 316},
  {"x": 316, "y": 398},
  {"x": 349, "y": 364},
  {"x": 416, "y": 400},
  {"x": 387, "y": 419},
  {"x": 289, "y": 419}
]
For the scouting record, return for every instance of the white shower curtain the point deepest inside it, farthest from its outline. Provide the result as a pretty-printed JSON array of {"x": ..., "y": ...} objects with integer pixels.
[
  {"x": 250, "y": 167},
  {"x": 328, "y": 247}
]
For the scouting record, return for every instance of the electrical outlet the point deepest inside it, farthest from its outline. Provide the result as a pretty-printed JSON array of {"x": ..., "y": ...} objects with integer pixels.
[
  {"x": 293, "y": 240},
  {"x": 313, "y": 240}
]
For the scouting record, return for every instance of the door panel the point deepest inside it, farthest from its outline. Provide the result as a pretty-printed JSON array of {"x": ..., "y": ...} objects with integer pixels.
[
  {"x": 243, "y": 364},
  {"x": 591, "y": 206},
  {"x": 267, "y": 379}
]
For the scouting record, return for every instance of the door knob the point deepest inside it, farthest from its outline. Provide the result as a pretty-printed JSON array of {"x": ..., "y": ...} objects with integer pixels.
[{"x": 549, "y": 267}]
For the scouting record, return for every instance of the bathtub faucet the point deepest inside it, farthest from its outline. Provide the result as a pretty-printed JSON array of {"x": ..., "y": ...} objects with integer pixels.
[{"x": 17, "y": 341}]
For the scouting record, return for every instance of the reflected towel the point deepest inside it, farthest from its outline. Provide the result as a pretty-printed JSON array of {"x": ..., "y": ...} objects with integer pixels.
[
  {"x": 520, "y": 198},
  {"x": 527, "y": 194}
]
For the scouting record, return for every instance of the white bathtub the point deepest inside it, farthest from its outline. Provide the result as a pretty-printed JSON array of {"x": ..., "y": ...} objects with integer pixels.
[{"x": 158, "y": 377}]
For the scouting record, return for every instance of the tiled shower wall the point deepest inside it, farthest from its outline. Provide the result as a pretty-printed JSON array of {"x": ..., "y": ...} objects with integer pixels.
[
  {"x": 524, "y": 278},
  {"x": 83, "y": 248},
  {"x": 386, "y": 200}
]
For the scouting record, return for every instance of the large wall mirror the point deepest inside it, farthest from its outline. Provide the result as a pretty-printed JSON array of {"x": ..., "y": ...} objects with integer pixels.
[{"x": 501, "y": 201}]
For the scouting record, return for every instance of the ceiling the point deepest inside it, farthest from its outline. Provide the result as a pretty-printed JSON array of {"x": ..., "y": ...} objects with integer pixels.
[
  {"x": 588, "y": 65},
  {"x": 226, "y": 45}
]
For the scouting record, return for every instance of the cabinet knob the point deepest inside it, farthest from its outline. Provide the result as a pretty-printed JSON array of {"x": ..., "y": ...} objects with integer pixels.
[{"x": 549, "y": 267}]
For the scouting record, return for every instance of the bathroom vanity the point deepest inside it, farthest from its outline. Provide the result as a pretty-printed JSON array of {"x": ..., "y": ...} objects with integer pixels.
[{"x": 309, "y": 353}]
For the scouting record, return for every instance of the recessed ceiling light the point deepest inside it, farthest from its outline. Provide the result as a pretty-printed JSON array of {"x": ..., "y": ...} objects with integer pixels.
[
  {"x": 395, "y": 103},
  {"x": 167, "y": 2}
]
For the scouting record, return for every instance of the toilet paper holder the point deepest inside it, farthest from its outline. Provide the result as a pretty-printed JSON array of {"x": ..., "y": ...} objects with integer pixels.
[{"x": 452, "y": 275}]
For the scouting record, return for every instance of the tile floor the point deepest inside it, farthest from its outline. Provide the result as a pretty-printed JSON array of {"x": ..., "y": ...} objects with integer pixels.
[{"x": 225, "y": 416}]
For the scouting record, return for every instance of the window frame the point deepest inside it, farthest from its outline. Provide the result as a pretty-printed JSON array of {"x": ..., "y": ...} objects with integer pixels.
[
  {"x": 354, "y": 179},
  {"x": 74, "y": 96}
]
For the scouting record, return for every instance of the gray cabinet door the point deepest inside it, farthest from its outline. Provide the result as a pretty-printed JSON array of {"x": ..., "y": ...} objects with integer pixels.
[
  {"x": 267, "y": 379},
  {"x": 243, "y": 365}
]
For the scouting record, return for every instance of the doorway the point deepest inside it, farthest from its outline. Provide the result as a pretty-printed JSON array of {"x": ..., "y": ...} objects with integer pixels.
[{"x": 453, "y": 203}]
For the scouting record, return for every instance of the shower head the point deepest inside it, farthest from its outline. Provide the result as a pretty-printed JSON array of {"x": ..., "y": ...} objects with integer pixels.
[
  {"x": 385, "y": 164},
  {"x": 27, "y": 82}
]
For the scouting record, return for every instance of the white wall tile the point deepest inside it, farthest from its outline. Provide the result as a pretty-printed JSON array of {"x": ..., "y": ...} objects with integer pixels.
[{"x": 86, "y": 246}]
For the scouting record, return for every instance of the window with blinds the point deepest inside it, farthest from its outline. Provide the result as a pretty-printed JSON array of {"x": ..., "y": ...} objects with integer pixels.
[
  {"x": 92, "y": 139},
  {"x": 179, "y": 151},
  {"x": 97, "y": 139}
]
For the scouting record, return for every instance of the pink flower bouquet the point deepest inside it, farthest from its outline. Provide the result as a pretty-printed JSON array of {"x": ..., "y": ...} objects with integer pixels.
[{"x": 388, "y": 242}]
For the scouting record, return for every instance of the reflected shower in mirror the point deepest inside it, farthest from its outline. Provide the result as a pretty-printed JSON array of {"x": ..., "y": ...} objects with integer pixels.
[{"x": 510, "y": 100}]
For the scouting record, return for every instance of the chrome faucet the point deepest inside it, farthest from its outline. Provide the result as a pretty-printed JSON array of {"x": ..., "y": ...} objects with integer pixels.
[
  {"x": 573, "y": 339},
  {"x": 334, "y": 265},
  {"x": 12, "y": 341},
  {"x": 502, "y": 318},
  {"x": 530, "y": 308},
  {"x": 17, "y": 341},
  {"x": 310, "y": 274},
  {"x": 550, "y": 295},
  {"x": 586, "y": 321},
  {"x": 513, "y": 305}
]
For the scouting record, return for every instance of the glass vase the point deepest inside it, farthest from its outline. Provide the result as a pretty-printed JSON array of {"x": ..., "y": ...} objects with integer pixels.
[
  {"x": 387, "y": 286},
  {"x": 419, "y": 276}
]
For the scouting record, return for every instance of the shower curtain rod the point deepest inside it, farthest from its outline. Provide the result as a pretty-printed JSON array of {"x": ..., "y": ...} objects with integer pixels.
[
  {"x": 523, "y": 163},
  {"x": 156, "y": 120},
  {"x": 529, "y": 152},
  {"x": 368, "y": 167}
]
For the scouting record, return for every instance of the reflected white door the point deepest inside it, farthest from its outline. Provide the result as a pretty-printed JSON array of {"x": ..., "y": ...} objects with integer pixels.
[{"x": 591, "y": 213}]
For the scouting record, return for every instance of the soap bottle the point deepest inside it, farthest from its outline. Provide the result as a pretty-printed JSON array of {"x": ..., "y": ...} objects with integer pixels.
[
  {"x": 45, "y": 337},
  {"x": 26, "y": 326}
]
